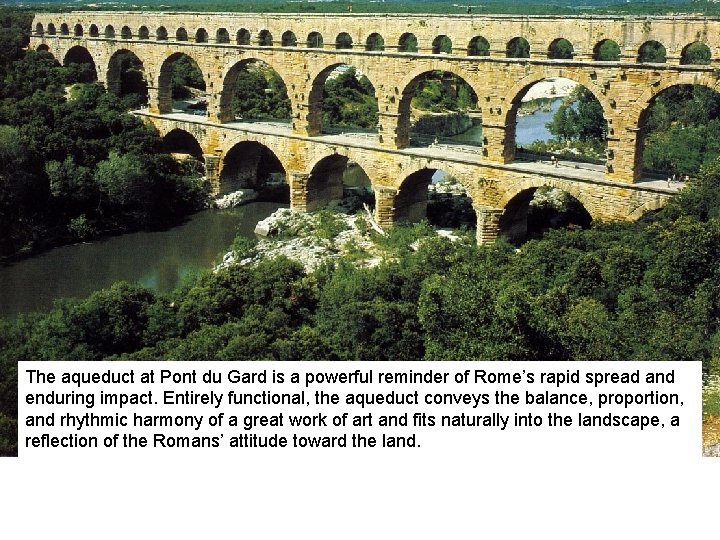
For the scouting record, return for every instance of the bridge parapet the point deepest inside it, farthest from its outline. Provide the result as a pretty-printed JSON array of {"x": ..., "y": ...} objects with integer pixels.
[{"x": 585, "y": 33}]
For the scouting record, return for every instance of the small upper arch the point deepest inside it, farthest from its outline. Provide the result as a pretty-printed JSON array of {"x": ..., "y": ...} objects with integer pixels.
[
  {"x": 408, "y": 43},
  {"x": 478, "y": 46},
  {"x": 289, "y": 39},
  {"x": 51, "y": 29},
  {"x": 265, "y": 38},
  {"x": 561, "y": 49},
  {"x": 64, "y": 30},
  {"x": 652, "y": 52},
  {"x": 126, "y": 33},
  {"x": 442, "y": 45},
  {"x": 201, "y": 36},
  {"x": 39, "y": 30},
  {"x": 161, "y": 34},
  {"x": 94, "y": 32},
  {"x": 242, "y": 37},
  {"x": 375, "y": 42},
  {"x": 518, "y": 47},
  {"x": 696, "y": 53},
  {"x": 606, "y": 50},
  {"x": 222, "y": 36},
  {"x": 143, "y": 32},
  {"x": 343, "y": 41},
  {"x": 181, "y": 34},
  {"x": 315, "y": 40},
  {"x": 109, "y": 31}
]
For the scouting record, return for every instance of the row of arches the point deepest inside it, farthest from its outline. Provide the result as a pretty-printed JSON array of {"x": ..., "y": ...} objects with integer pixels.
[
  {"x": 125, "y": 61},
  {"x": 695, "y": 53},
  {"x": 335, "y": 178}
]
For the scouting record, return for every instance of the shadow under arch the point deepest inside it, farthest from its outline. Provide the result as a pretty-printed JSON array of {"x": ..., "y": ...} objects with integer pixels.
[
  {"x": 338, "y": 180},
  {"x": 79, "y": 56},
  {"x": 125, "y": 75},
  {"x": 358, "y": 110},
  {"x": 179, "y": 141},
  {"x": 252, "y": 165},
  {"x": 532, "y": 210},
  {"x": 435, "y": 195},
  {"x": 275, "y": 84},
  {"x": 165, "y": 79}
]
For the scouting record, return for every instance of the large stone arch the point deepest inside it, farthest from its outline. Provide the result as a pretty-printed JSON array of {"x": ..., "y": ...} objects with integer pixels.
[
  {"x": 514, "y": 223},
  {"x": 178, "y": 140},
  {"x": 458, "y": 170},
  {"x": 681, "y": 78},
  {"x": 520, "y": 88},
  {"x": 248, "y": 158},
  {"x": 411, "y": 196},
  {"x": 277, "y": 145},
  {"x": 326, "y": 181},
  {"x": 364, "y": 161},
  {"x": 316, "y": 81},
  {"x": 164, "y": 79},
  {"x": 649, "y": 206},
  {"x": 81, "y": 55},
  {"x": 591, "y": 204},
  {"x": 508, "y": 113},
  {"x": 637, "y": 114},
  {"x": 229, "y": 78},
  {"x": 407, "y": 86},
  {"x": 116, "y": 68}
]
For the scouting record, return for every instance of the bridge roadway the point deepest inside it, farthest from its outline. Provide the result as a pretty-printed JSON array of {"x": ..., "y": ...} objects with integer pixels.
[{"x": 482, "y": 50}]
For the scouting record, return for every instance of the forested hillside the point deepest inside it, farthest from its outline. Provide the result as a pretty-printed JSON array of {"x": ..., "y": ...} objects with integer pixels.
[{"x": 73, "y": 164}]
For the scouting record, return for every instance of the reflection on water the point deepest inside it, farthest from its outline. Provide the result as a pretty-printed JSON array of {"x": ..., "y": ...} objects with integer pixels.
[{"x": 159, "y": 260}]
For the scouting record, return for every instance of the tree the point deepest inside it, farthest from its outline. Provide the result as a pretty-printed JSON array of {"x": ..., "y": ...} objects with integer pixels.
[
  {"x": 609, "y": 51},
  {"x": 124, "y": 183},
  {"x": 580, "y": 117},
  {"x": 261, "y": 93},
  {"x": 186, "y": 75}
]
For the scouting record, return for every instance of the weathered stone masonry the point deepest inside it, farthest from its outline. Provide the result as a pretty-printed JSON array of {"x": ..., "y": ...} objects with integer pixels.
[{"x": 222, "y": 43}]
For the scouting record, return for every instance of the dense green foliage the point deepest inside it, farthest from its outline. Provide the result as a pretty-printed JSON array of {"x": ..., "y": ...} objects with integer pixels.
[
  {"x": 683, "y": 130},
  {"x": 186, "y": 76},
  {"x": 349, "y": 100},
  {"x": 73, "y": 164},
  {"x": 647, "y": 290},
  {"x": 439, "y": 91},
  {"x": 580, "y": 117},
  {"x": 260, "y": 93}
]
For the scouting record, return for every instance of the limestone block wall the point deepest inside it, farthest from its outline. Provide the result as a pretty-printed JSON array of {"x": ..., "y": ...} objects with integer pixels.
[
  {"x": 625, "y": 88},
  {"x": 399, "y": 178}
]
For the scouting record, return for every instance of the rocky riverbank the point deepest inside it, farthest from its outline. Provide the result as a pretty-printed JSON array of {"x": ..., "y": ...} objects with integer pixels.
[{"x": 340, "y": 232}]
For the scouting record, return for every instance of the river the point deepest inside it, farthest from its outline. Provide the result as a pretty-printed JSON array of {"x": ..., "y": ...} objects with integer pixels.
[
  {"x": 530, "y": 128},
  {"x": 159, "y": 260}
]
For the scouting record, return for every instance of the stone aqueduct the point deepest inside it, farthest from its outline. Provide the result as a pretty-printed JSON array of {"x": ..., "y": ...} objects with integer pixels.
[{"x": 222, "y": 44}]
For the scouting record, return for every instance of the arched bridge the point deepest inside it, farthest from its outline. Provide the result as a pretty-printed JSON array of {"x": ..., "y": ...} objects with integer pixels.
[{"x": 500, "y": 57}]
